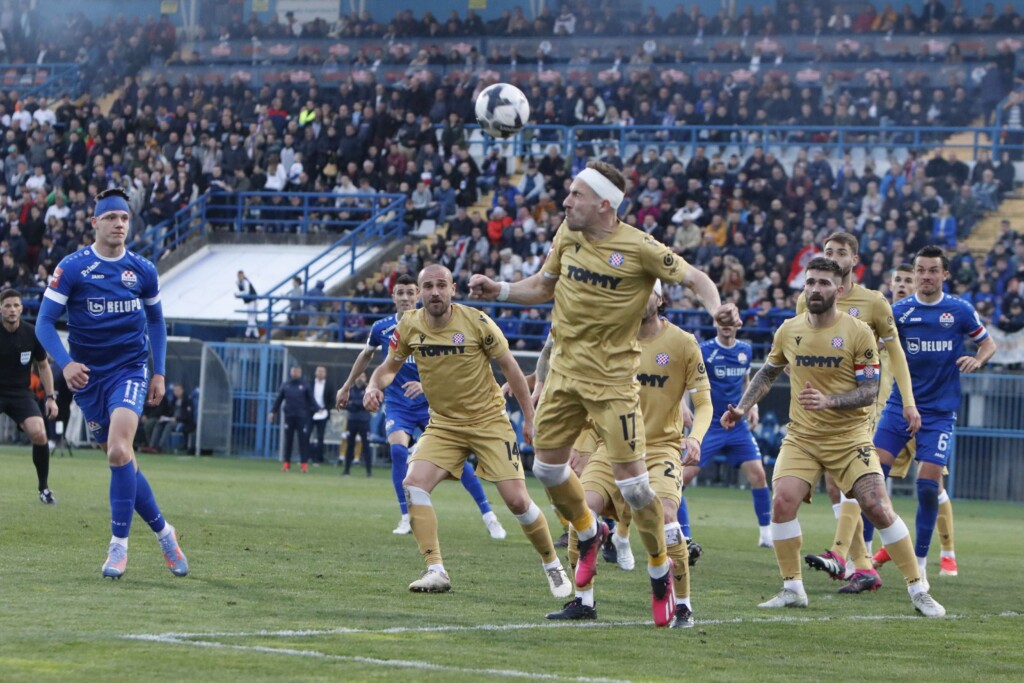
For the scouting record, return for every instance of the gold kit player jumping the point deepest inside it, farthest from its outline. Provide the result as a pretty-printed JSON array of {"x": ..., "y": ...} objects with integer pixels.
[
  {"x": 600, "y": 272},
  {"x": 670, "y": 367}
]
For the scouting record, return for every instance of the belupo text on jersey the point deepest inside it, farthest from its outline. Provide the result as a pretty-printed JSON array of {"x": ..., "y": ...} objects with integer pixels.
[{"x": 99, "y": 306}]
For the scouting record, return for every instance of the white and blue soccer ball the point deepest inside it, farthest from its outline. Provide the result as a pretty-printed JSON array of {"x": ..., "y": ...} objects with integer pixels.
[{"x": 502, "y": 110}]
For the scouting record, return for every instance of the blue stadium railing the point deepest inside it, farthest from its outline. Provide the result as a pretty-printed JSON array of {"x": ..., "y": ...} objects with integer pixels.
[
  {"x": 42, "y": 80},
  {"x": 349, "y": 319},
  {"x": 535, "y": 139},
  {"x": 256, "y": 212}
]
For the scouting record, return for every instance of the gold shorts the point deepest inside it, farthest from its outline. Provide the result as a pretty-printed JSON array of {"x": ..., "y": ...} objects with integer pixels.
[
  {"x": 664, "y": 467},
  {"x": 565, "y": 405},
  {"x": 586, "y": 442},
  {"x": 846, "y": 459},
  {"x": 901, "y": 466},
  {"x": 494, "y": 442}
]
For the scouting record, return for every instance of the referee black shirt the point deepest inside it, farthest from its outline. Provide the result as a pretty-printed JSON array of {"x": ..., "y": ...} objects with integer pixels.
[{"x": 17, "y": 351}]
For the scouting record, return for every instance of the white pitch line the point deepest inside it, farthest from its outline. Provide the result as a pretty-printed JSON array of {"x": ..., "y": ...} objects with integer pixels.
[
  {"x": 543, "y": 625},
  {"x": 394, "y": 663}
]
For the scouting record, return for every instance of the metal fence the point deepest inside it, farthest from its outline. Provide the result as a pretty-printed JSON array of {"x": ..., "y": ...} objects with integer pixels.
[
  {"x": 253, "y": 373},
  {"x": 988, "y": 448}
]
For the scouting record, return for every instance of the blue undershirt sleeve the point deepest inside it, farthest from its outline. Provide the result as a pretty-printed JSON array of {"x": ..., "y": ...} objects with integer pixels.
[
  {"x": 46, "y": 331},
  {"x": 157, "y": 337}
]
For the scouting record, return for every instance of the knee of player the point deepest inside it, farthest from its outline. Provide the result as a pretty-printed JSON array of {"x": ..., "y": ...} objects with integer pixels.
[
  {"x": 636, "y": 491},
  {"x": 119, "y": 453},
  {"x": 784, "y": 505},
  {"x": 517, "y": 502}
]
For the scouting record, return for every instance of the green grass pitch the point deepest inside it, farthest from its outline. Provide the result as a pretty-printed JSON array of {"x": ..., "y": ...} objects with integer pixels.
[{"x": 298, "y": 577}]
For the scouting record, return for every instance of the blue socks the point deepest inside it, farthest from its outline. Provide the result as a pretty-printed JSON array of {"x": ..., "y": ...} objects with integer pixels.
[
  {"x": 399, "y": 466},
  {"x": 471, "y": 483},
  {"x": 762, "y": 505},
  {"x": 683, "y": 516},
  {"x": 145, "y": 504},
  {"x": 122, "y": 499},
  {"x": 927, "y": 513}
]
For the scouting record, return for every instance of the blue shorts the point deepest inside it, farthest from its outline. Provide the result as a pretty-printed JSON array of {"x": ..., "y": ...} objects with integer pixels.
[
  {"x": 123, "y": 388},
  {"x": 736, "y": 444},
  {"x": 400, "y": 418},
  {"x": 933, "y": 441}
]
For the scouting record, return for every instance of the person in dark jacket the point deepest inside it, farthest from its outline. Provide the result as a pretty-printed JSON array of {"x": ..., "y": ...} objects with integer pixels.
[
  {"x": 299, "y": 405},
  {"x": 358, "y": 425}
]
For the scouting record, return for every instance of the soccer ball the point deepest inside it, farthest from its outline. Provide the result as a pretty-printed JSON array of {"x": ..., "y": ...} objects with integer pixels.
[{"x": 502, "y": 110}]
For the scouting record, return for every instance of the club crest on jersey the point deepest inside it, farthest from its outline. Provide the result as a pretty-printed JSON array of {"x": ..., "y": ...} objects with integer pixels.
[
  {"x": 854, "y": 311},
  {"x": 128, "y": 279},
  {"x": 662, "y": 359},
  {"x": 837, "y": 342},
  {"x": 97, "y": 306},
  {"x": 458, "y": 338},
  {"x": 616, "y": 259},
  {"x": 742, "y": 358},
  {"x": 946, "y": 320}
]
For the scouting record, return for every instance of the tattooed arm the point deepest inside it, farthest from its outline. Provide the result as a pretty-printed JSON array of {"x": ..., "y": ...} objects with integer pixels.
[
  {"x": 864, "y": 395},
  {"x": 755, "y": 391}
]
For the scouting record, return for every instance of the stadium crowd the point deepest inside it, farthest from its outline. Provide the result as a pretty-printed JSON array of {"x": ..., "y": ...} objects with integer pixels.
[{"x": 730, "y": 206}]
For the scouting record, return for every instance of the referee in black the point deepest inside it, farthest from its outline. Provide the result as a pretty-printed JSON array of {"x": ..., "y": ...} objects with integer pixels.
[{"x": 19, "y": 348}]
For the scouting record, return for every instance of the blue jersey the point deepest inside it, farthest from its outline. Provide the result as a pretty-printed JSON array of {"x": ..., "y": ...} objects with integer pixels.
[
  {"x": 727, "y": 368},
  {"x": 932, "y": 336},
  {"x": 380, "y": 337},
  {"x": 106, "y": 301}
]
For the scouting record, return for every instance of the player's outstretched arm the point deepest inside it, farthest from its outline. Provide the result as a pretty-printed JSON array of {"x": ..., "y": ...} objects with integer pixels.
[
  {"x": 536, "y": 289},
  {"x": 380, "y": 380},
  {"x": 358, "y": 368},
  {"x": 517, "y": 382},
  {"x": 707, "y": 293},
  {"x": 757, "y": 389}
]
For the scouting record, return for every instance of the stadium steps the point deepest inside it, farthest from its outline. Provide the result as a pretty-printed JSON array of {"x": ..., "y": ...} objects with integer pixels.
[
  {"x": 107, "y": 101},
  {"x": 984, "y": 234}
]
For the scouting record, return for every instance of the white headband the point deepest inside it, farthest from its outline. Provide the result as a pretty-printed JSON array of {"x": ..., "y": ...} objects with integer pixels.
[{"x": 604, "y": 188}]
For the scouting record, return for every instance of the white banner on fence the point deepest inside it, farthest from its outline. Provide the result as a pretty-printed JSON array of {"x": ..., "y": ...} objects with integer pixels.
[{"x": 1009, "y": 347}]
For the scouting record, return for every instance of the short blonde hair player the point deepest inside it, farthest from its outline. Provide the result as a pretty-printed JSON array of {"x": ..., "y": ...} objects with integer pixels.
[{"x": 599, "y": 272}]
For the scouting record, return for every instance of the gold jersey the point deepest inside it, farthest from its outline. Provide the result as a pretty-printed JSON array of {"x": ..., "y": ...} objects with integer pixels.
[
  {"x": 871, "y": 307},
  {"x": 834, "y": 360},
  {"x": 454, "y": 364},
  {"x": 599, "y": 300},
  {"x": 670, "y": 365}
]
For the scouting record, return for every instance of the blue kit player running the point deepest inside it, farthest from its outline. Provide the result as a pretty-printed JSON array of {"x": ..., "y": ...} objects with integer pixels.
[
  {"x": 932, "y": 327},
  {"x": 406, "y": 409},
  {"x": 112, "y": 298},
  {"x": 728, "y": 367}
]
